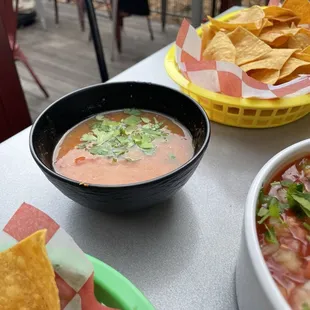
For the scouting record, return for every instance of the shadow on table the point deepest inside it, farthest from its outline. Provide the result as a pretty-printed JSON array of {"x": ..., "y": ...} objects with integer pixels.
[{"x": 159, "y": 238}]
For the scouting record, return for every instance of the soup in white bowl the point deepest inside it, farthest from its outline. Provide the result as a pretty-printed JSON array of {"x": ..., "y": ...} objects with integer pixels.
[{"x": 267, "y": 252}]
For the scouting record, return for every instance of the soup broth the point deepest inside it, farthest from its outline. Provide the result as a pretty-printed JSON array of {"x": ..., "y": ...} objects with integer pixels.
[
  {"x": 123, "y": 147},
  {"x": 283, "y": 227}
]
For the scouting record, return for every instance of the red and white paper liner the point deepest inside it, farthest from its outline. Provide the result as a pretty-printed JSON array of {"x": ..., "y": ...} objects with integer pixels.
[
  {"x": 227, "y": 78},
  {"x": 73, "y": 271}
]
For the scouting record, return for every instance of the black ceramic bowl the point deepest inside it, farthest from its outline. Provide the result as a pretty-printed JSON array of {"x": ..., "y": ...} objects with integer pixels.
[{"x": 71, "y": 109}]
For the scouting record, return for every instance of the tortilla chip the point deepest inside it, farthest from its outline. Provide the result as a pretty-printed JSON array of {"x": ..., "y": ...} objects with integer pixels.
[
  {"x": 207, "y": 35},
  {"x": 264, "y": 40},
  {"x": 216, "y": 29},
  {"x": 291, "y": 65},
  {"x": 273, "y": 60},
  {"x": 302, "y": 56},
  {"x": 248, "y": 46},
  {"x": 287, "y": 19},
  {"x": 27, "y": 278},
  {"x": 275, "y": 13},
  {"x": 254, "y": 14},
  {"x": 266, "y": 23},
  {"x": 294, "y": 75},
  {"x": 277, "y": 35},
  {"x": 251, "y": 19},
  {"x": 220, "y": 48},
  {"x": 300, "y": 7},
  {"x": 301, "y": 40},
  {"x": 268, "y": 76}
]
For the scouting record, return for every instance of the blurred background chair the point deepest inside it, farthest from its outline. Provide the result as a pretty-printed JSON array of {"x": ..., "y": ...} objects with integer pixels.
[
  {"x": 80, "y": 8},
  {"x": 9, "y": 19},
  {"x": 122, "y": 9}
]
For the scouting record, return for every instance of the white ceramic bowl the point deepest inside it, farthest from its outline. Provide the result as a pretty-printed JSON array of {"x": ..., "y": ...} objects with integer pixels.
[{"x": 255, "y": 287}]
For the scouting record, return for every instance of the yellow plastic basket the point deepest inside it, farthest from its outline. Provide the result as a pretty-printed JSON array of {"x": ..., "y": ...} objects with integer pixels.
[{"x": 239, "y": 112}]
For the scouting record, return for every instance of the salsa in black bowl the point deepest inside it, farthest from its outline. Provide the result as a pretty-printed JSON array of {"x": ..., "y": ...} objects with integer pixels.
[{"x": 120, "y": 146}]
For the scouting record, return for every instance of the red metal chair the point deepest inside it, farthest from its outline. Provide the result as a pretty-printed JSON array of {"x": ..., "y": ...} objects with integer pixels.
[
  {"x": 14, "y": 114},
  {"x": 9, "y": 18}
]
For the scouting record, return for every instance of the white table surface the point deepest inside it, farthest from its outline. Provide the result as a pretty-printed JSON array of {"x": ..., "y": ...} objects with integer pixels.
[{"x": 181, "y": 255}]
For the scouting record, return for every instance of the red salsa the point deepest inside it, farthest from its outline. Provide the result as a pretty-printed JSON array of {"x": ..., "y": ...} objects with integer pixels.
[
  {"x": 283, "y": 227},
  {"x": 123, "y": 147}
]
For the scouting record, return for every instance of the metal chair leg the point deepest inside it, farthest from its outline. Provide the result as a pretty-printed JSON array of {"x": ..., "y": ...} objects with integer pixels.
[
  {"x": 114, "y": 26},
  {"x": 150, "y": 27},
  {"x": 109, "y": 9},
  {"x": 81, "y": 10},
  {"x": 56, "y": 12},
  {"x": 163, "y": 14},
  {"x": 213, "y": 8},
  {"x": 97, "y": 40}
]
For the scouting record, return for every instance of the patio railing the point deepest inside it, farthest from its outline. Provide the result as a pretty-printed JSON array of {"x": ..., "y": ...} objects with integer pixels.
[{"x": 175, "y": 10}]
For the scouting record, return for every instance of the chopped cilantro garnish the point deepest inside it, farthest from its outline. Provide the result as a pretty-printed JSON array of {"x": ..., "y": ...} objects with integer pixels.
[
  {"x": 264, "y": 198},
  {"x": 270, "y": 235},
  {"x": 262, "y": 212},
  {"x": 88, "y": 138},
  {"x": 306, "y": 225},
  {"x": 145, "y": 120},
  {"x": 283, "y": 207},
  {"x": 305, "y": 306},
  {"x": 171, "y": 156},
  {"x": 286, "y": 183},
  {"x": 264, "y": 218},
  {"x": 112, "y": 139},
  {"x": 273, "y": 210},
  {"x": 132, "y": 112},
  {"x": 297, "y": 199},
  {"x": 275, "y": 183},
  {"x": 132, "y": 120},
  {"x": 304, "y": 201}
]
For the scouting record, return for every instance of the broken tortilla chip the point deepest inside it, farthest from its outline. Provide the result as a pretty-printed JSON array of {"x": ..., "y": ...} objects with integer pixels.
[
  {"x": 301, "y": 40},
  {"x": 267, "y": 76},
  {"x": 246, "y": 18},
  {"x": 248, "y": 46},
  {"x": 302, "y": 56},
  {"x": 266, "y": 23},
  {"x": 277, "y": 35},
  {"x": 274, "y": 60},
  {"x": 220, "y": 48},
  {"x": 254, "y": 14},
  {"x": 306, "y": 50},
  {"x": 27, "y": 277},
  {"x": 207, "y": 36},
  {"x": 299, "y": 71},
  {"x": 291, "y": 65},
  {"x": 275, "y": 13},
  {"x": 300, "y": 7}
]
